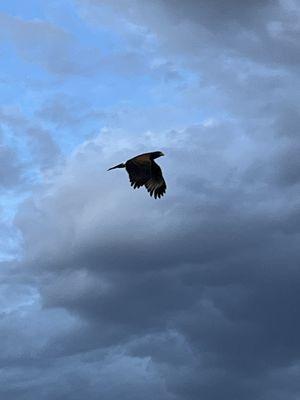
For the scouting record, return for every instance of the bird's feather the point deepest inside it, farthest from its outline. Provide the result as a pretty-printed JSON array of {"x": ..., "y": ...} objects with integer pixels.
[
  {"x": 143, "y": 171},
  {"x": 139, "y": 171},
  {"x": 156, "y": 185}
]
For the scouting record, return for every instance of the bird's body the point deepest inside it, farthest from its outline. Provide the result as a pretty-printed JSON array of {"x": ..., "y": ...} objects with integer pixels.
[{"x": 143, "y": 171}]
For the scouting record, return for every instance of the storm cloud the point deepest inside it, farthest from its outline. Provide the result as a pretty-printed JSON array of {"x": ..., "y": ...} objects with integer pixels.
[{"x": 193, "y": 296}]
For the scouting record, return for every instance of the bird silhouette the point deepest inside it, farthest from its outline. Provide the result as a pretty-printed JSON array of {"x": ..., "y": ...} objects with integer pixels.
[{"x": 143, "y": 171}]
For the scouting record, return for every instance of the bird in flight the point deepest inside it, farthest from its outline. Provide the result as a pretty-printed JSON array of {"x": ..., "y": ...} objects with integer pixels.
[{"x": 143, "y": 171}]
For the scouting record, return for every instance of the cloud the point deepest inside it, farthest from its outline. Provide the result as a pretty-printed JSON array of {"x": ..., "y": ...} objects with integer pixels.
[
  {"x": 25, "y": 144},
  {"x": 264, "y": 31},
  {"x": 49, "y": 46},
  {"x": 44, "y": 149},
  {"x": 212, "y": 263},
  {"x": 241, "y": 69},
  {"x": 11, "y": 170},
  {"x": 193, "y": 296},
  {"x": 66, "y": 112}
]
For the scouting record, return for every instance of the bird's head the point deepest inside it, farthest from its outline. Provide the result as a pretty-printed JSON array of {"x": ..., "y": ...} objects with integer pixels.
[{"x": 157, "y": 154}]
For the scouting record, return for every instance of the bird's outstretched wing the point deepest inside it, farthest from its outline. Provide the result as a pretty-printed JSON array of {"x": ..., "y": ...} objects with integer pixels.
[
  {"x": 156, "y": 185},
  {"x": 139, "y": 170}
]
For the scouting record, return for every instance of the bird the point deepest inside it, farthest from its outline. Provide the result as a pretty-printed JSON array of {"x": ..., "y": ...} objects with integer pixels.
[{"x": 143, "y": 171}]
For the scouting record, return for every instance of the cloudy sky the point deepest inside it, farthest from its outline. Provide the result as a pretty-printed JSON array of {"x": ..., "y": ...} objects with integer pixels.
[{"x": 106, "y": 293}]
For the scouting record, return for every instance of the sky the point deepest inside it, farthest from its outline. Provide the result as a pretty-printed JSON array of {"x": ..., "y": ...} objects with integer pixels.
[{"x": 106, "y": 293}]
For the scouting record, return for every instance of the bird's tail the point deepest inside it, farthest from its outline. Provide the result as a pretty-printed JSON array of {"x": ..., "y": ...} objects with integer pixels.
[{"x": 117, "y": 166}]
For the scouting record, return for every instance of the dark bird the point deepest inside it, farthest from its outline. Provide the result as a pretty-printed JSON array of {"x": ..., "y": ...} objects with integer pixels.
[{"x": 143, "y": 171}]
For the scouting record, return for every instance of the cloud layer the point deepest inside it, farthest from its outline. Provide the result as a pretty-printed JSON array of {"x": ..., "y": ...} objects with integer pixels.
[{"x": 193, "y": 296}]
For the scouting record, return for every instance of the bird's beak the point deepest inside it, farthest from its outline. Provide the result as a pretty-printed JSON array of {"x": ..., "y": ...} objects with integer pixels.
[{"x": 162, "y": 154}]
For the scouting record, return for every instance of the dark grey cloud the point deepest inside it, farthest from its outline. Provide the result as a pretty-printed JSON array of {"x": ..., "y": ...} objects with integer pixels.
[
  {"x": 194, "y": 296},
  {"x": 263, "y": 31},
  {"x": 204, "y": 284},
  {"x": 243, "y": 57}
]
